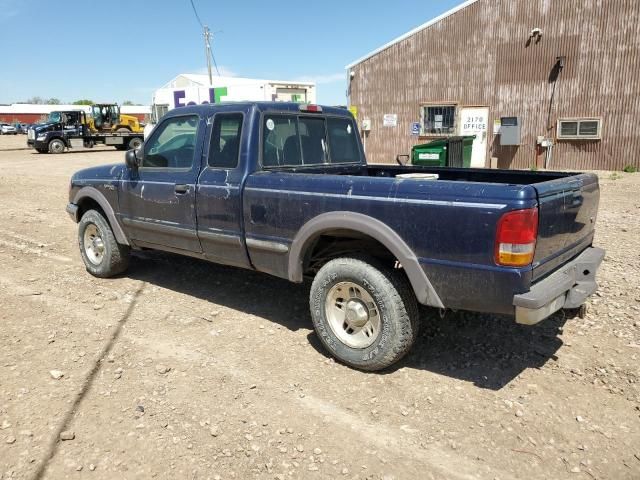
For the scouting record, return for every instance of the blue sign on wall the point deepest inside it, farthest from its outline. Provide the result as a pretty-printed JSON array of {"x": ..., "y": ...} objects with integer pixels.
[{"x": 415, "y": 128}]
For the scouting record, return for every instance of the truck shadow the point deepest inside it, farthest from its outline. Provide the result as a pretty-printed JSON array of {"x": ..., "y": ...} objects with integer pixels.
[
  {"x": 250, "y": 292},
  {"x": 487, "y": 350},
  {"x": 77, "y": 152}
]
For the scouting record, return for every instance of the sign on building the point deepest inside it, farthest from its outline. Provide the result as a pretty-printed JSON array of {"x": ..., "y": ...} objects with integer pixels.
[{"x": 390, "y": 120}]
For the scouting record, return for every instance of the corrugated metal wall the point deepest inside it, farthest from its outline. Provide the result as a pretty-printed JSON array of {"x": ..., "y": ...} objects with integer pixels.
[{"x": 482, "y": 55}]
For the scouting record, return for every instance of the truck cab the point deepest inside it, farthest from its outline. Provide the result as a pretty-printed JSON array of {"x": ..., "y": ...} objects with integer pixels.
[{"x": 53, "y": 134}]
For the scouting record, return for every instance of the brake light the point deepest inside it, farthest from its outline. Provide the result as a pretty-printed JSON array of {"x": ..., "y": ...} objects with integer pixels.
[
  {"x": 516, "y": 237},
  {"x": 310, "y": 108}
]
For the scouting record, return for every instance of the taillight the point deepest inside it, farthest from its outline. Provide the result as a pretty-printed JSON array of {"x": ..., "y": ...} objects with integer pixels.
[
  {"x": 306, "y": 107},
  {"x": 516, "y": 237}
]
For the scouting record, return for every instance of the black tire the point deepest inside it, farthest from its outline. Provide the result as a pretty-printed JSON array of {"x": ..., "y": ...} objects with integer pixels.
[
  {"x": 135, "y": 143},
  {"x": 396, "y": 305},
  {"x": 56, "y": 146},
  {"x": 122, "y": 130},
  {"x": 42, "y": 150},
  {"x": 115, "y": 257}
]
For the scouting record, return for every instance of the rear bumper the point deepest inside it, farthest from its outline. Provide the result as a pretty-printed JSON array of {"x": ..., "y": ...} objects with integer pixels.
[{"x": 568, "y": 287}]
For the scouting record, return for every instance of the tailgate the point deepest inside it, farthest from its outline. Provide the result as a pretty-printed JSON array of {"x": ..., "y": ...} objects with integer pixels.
[{"x": 567, "y": 216}]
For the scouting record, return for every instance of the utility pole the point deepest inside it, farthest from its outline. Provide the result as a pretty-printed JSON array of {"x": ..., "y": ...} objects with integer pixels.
[{"x": 207, "y": 49}]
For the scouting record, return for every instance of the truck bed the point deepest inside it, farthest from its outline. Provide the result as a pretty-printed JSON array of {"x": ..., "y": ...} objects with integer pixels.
[
  {"x": 454, "y": 236},
  {"x": 481, "y": 175}
]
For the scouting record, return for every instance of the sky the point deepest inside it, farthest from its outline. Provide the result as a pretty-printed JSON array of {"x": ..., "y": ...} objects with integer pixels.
[{"x": 121, "y": 50}]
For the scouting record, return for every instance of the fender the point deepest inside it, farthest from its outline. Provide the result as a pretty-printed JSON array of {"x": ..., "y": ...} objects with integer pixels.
[
  {"x": 95, "y": 194},
  {"x": 375, "y": 229}
]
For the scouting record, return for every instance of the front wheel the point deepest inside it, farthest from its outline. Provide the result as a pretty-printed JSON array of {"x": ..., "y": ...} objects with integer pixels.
[
  {"x": 103, "y": 256},
  {"x": 365, "y": 314},
  {"x": 56, "y": 146}
]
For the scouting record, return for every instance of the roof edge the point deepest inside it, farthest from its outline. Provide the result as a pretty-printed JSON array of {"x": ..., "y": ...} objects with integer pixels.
[
  {"x": 412, "y": 32},
  {"x": 231, "y": 79}
]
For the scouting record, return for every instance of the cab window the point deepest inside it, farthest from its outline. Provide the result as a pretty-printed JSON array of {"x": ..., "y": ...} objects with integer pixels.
[
  {"x": 281, "y": 145},
  {"x": 225, "y": 140},
  {"x": 291, "y": 140},
  {"x": 172, "y": 144},
  {"x": 342, "y": 140},
  {"x": 313, "y": 140}
]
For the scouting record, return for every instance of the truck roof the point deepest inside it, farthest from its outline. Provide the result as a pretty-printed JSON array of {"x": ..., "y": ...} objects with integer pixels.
[{"x": 261, "y": 106}]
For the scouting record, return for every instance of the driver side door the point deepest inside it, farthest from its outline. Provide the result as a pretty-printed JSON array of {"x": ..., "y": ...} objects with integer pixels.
[{"x": 157, "y": 200}]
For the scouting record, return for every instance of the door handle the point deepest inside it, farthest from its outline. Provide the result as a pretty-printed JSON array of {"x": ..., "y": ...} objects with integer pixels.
[{"x": 182, "y": 188}]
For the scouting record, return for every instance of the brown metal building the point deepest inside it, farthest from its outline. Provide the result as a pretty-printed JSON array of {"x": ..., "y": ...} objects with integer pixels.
[{"x": 566, "y": 71}]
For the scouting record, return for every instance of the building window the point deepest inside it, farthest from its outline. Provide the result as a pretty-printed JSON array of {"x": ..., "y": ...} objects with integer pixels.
[
  {"x": 437, "y": 119},
  {"x": 579, "y": 128}
]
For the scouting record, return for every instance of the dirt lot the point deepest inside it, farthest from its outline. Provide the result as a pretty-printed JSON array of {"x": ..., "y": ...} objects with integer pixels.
[{"x": 183, "y": 369}]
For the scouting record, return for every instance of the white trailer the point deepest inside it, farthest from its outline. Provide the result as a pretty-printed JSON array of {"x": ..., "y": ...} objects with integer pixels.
[{"x": 190, "y": 89}]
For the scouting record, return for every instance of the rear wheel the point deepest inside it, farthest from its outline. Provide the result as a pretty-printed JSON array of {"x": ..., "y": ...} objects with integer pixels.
[
  {"x": 122, "y": 130},
  {"x": 103, "y": 256},
  {"x": 365, "y": 314},
  {"x": 56, "y": 146}
]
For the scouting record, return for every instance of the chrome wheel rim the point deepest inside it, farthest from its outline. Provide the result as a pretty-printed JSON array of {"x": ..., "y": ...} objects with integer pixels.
[
  {"x": 57, "y": 146},
  {"x": 93, "y": 244},
  {"x": 352, "y": 315}
]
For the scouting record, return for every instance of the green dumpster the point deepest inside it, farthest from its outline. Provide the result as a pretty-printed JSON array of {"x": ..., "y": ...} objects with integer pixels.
[
  {"x": 445, "y": 152},
  {"x": 459, "y": 151},
  {"x": 432, "y": 154}
]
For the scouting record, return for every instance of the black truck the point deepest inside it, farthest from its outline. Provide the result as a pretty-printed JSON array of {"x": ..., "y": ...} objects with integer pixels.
[{"x": 71, "y": 129}]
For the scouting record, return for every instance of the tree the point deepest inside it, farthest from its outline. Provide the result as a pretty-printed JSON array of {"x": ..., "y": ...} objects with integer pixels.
[
  {"x": 128, "y": 102},
  {"x": 36, "y": 100},
  {"x": 83, "y": 102},
  {"x": 43, "y": 101}
]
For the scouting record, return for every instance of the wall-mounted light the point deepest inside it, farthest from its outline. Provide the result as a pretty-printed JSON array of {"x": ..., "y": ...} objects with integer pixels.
[{"x": 536, "y": 32}]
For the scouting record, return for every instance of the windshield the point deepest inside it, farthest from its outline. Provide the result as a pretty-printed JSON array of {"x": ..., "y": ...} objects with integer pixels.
[{"x": 54, "y": 117}]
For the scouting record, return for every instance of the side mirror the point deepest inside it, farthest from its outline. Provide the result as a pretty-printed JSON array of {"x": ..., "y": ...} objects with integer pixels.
[{"x": 132, "y": 159}]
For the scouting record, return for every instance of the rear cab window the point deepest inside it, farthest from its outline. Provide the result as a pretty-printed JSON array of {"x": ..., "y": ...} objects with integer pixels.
[{"x": 294, "y": 140}]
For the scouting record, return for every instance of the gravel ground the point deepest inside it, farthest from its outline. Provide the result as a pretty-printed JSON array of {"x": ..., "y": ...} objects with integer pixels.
[{"x": 183, "y": 369}]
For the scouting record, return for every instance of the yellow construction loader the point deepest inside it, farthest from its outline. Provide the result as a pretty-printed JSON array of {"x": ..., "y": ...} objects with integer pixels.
[{"x": 106, "y": 117}]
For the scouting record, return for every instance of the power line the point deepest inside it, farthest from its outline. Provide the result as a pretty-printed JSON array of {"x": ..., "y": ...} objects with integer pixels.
[
  {"x": 214, "y": 62},
  {"x": 207, "y": 42},
  {"x": 196, "y": 13}
]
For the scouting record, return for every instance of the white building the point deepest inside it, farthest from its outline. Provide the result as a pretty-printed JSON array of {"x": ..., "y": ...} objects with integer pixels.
[{"x": 190, "y": 89}]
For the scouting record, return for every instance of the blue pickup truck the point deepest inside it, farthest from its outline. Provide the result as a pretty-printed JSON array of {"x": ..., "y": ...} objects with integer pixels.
[{"x": 285, "y": 189}]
